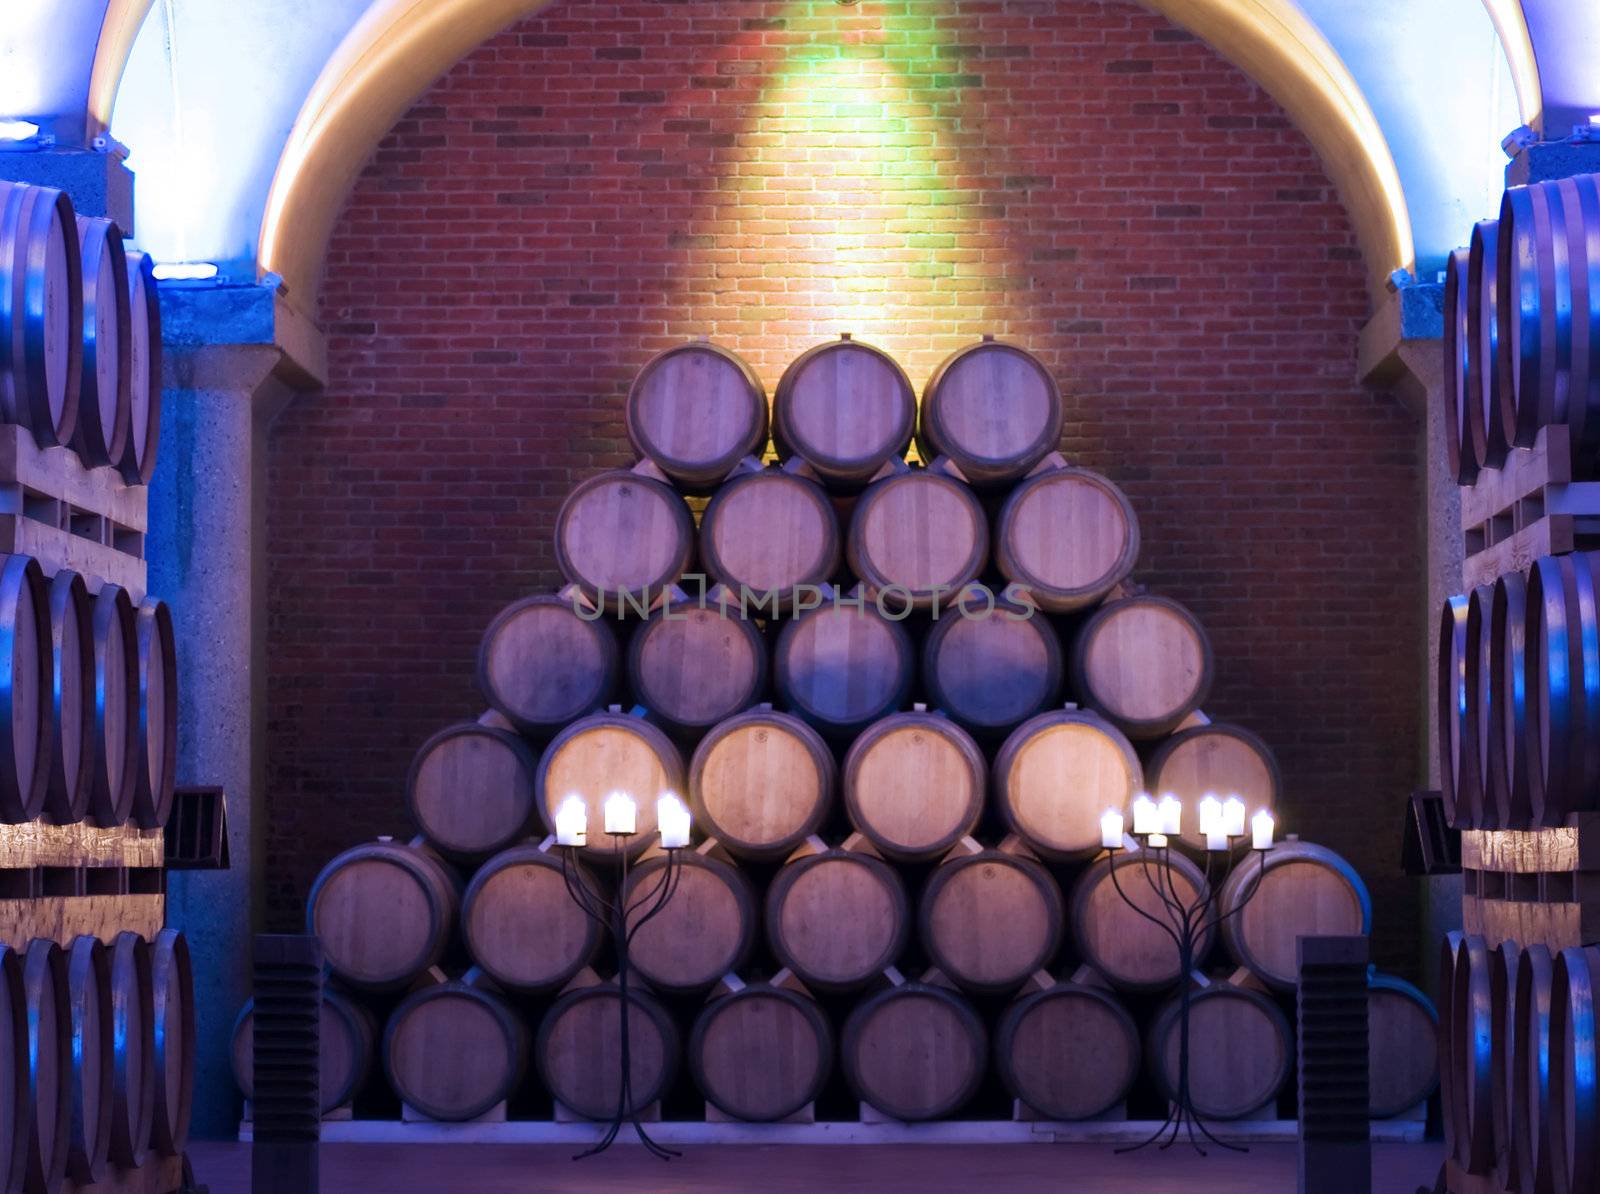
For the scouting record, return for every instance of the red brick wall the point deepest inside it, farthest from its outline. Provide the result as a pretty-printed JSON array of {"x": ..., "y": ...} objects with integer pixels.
[{"x": 607, "y": 179}]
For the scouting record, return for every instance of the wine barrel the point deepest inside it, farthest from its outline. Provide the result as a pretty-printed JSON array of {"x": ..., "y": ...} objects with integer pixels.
[
  {"x": 1508, "y": 779},
  {"x": 1069, "y": 1051},
  {"x": 470, "y": 789},
  {"x": 27, "y": 680},
  {"x": 1461, "y": 458},
  {"x": 767, "y": 533},
  {"x": 694, "y": 664},
  {"x": 1240, "y": 1050},
  {"x": 1472, "y": 1060},
  {"x": 1485, "y": 368},
  {"x": 914, "y": 1051},
  {"x": 605, "y": 753},
  {"x": 1530, "y": 1100},
  {"x": 841, "y": 666},
  {"x": 704, "y": 931},
  {"x": 695, "y": 410},
  {"x": 915, "y": 537},
  {"x": 1504, "y": 1065},
  {"x": 172, "y": 991},
  {"x": 760, "y": 1052},
  {"x": 989, "y": 919},
  {"x": 991, "y": 663},
  {"x": 1067, "y": 536},
  {"x": 837, "y": 918},
  {"x": 914, "y": 785},
  {"x": 1458, "y": 760},
  {"x": 1119, "y": 941},
  {"x": 454, "y": 1050},
  {"x": 1402, "y": 1046},
  {"x": 93, "y": 1049},
  {"x": 520, "y": 925},
  {"x": 1450, "y": 946},
  {"x": 1480, "y": 809},
  {"x": 1057, "y": 774},
  {"x": 133, "y": 1083},
  {"x": 384, "y": 912},
  {"x": 622, "y": 538},
  {"x": 993, "y": 409},
  {"x": 1563, "y": 685},
  {"x": 156, "y": 768},
  {"x": 16, "y": 1103},
  {"x": 1573, "y": 1125},
  {"x": 761, "y": 783},
  {"x": 846, "y": 409},
  {"x": 346, "y": 1037},
  {"x": 1144, "y": 663},
  {"x": 138, "y": 463},
  {"x": 542, "y": 664},
  {"x": 41, "y": 312},
  {"x": 1217, "y": 759},
  {"x": 101, "y": 434},
  {"x": 49, "y": 1063},
  {"x": 116, "y": 706},
  {"x": 579, "y": 1044},
  {"x": 72, "y": 699},
  {"x": 1293, "y": 890}
]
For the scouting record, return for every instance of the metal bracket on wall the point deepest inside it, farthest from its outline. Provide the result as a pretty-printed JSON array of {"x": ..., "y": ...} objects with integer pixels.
[
  {"x": 1428, "y": 845},
  {"x": 197, "y": 830}
]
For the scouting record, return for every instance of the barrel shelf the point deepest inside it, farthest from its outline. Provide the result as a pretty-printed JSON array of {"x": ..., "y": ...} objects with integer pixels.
[
  {"x": 1529, "y": 507},
  {"x": 1533, "y": 886}
]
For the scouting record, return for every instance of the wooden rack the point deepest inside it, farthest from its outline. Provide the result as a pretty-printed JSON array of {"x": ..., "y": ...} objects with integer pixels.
[
  {"x": 1533, "y": 886},
  {"x": 1529, "y": 507}
]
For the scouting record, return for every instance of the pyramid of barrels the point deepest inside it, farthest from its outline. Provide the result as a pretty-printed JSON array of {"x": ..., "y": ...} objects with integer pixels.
[{"x": 899, "y": 904}]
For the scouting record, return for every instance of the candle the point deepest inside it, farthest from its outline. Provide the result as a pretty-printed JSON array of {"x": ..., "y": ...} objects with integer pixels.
[
  {"x": 1145, "y": 818},
  {"x": 1171, "y": 810},
  {"x": 572, "y": 822},
  {"x": 1233, "y": 817},
  {"x": 1216, "y": 840},
  {"x": 1261, "y": 830},
  {"x": 622, "y": 814},
  {"x": 1111, "y": 827},
  {"x": 1210, "y": 815},
  {"x": 1157, "y": 841},
  {"x": 672, "y": 817}
]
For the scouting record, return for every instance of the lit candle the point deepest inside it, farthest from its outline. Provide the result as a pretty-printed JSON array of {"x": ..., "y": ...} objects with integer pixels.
[
  {"x": 1216, "y": 840},
  {"x": 1261, "y": 830},
  {"x": 1171, "y": 809},
  {"x": 1111, "y": 827},
  {"x": 672, "y": 818},
  {"x": 1145, "y": 818},
  {"x": 1210, "y": 815},
  {"x": 622, "y": 814},
  {"x": 1233, "y": 817},
  {"x": 1157, "y": 841},
  {"x": 572, "y": 822}
]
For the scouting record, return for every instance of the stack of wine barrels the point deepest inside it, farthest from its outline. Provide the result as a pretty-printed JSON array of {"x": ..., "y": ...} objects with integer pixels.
[{"x": 898, "y": 702}]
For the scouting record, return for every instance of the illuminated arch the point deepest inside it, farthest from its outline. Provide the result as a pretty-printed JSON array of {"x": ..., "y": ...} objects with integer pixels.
[
  {"x": 117, "y": 32},
  {"x": 1515, "y": 41}
]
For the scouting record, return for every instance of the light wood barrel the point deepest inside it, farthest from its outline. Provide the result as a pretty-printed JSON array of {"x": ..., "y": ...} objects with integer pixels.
[
  {"x": 704, "y": 931},
  {"x": 1216, "y": 759},
  {"x": 1486, "y": 372},
  {"x": 1068, "y": 536},
  {"x": 916, "y": 537},
  {"x": 761, "y": 1053},
  {"x": 841, "y": 667},
  {"x": 1461, "y": 458},
  {"x": 1563, "y": 685},
  {"x": 696, "y": 410},
  {"x": 993, "y": 409},
  {"x": 72, "y": 699},
  {"x": 761, "y": 783},
  {"x": 116, "y": 706},
  {"x": 991, "y": 663},
  {"x": 914, "y": 1051},
  {"x": 1472, "y": 1058},
  {"x": 93, "y": 1048},
  {"x": 1057, "y": 774},
  {"x": 622, "y": 536},
  {"x": 578, "y": 1050},
  {"x": 346, "y": 1041},
  {"x": 49, "y": 1063},
  {"x": 1530, "y": 1101},
  {"x": 520, "y": 925},
  {"x": 693, "y": 665},
  {"x": 156, "y": 767},
  {"x": 1293, "y": 890},
  {"x": 1144, "y": 663},
  {"x": 541, "y": 664},
  {"x": 41, "y": 312},
  {"x": 846, "y": 409},
  {"x": 1069, "y": 1052},
  {"x": 990, "y": 919},
  {"x": 605, "y": 753},
  {"x": 384, "y": 912},
  {"x": 837, "y": 918},
  {"x": 1480, "y": 809},
  {"x": 1509, "y": 759},
  {"x": 16, "y": 1102},
  {"x": 138, "y": 462},
  {"x": 1504, "y": 1067},
  {"x": 454, "y": 1050},
  {"x": 768, "y": 532},
  {"x": 1573, "y": 1125},
  {"x": 27, "y": 681},
  {"x": 172, "y": 992},
  {"x": 470, "y": 789},
  {"x": 133, "y": 1083},
  {"x": 1402, "y": 1046},
  {"x": 1458, "y": 761},
  {"x": 101, "y": 435},
  {"x": 914, "y": 785},
  {"x": 1240, "y": 1050},
  {"x": 1129, "y": 951}
]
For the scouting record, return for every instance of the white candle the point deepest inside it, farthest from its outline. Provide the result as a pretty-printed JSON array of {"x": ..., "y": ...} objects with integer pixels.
[
  {"x": 1111, "y": 827},
  {"x": 1171, "y": 809},
  {"x": 622, "y": 814},
  {"x": 572, "y": 822},
  {"x": 672, "y": 818},
  {"x": 1145, "y": 818},
  {"x": 1216, "y": 840},
  {"x": 1261, "y": 830},
  {"x": 1210, "y": 815},
  {"x": 1157, "y": 841},
  {"x": 1233, "y": 817}
]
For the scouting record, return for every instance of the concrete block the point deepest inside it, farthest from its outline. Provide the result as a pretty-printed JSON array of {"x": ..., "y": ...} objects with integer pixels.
[
  {"x": 1544, "y": 160},
  {"x": 97, "y": 183}
]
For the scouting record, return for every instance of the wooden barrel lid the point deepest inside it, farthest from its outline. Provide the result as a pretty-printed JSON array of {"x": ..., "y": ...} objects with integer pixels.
[
  {"x": 133, "y": 1097},
  {"x": 72, "y": 699},
  {"x": 916, "y": 536},
  {"x": 541, "y": 663},
  {"x": 1457, "y": 762},
  {"x": 1144, "y": 662},
  {"x": 453, "y": 1051},
  {"x": 345, "y": 1039},
  {"x": 837, "y": 918},
  {"x": 704, "y": 931},
  {"x": 156, "y": 769},
  {"x": 993, "y": 409},
  {"x": 1068, "y": 536},
  {"x": 471, "y": 789},
  {"x": 914, "y": 1051},
  {"x": 1216, "y": 759},
  {"x": 1299, "y": 890},
  {"x": 1484, "y": 375},
  {"x": 761, "y": 1053},
  {"x": 845, "y": 408},
  {"x": 41, "y": 310},
  {"x": 383, "y": 912},
  {"x": 605, "y": 753},
  {"x": 1069, "y": 1052},
  {"x": 620, "y": 531},
  {"x": 1530, "y": 1098},
  {"x": 101, "y": 434},
  {"x": 44, "y": 977},
  {"x": 26, "y": 685},
  {"x": 991, "y": 663},
  {"x": 138, "y": 462},
  {"x": 695, "y": 410},
  {"x": 1402, "y": 1045},
  {"x": 1460, "y": 453},
  {"x": 840, "y": 667},
  {"x": 578, "y": 1050},
  {"x": 761, "y": 783},
  {"x": 1057, "y": 774},
  {"x": 770, "y": 531},
  {"x": 1131, "y": 952},
  {"x": 93, "y": 1048},
  {"x": 521, "y": 926},
  {"x": 914, "y": 785},
  {"x": 116, "y": 706},
  {"x": 172, "y": 991},
  {"x": 1509, "y": 779},
  {"x": 1240, "y": 1050},
  {"x": 989, "y": 919},
  {"x": 693, "y": 665}
]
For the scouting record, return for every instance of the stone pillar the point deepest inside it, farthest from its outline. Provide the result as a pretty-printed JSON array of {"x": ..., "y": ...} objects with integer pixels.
[{"x": 95, "y": 180}]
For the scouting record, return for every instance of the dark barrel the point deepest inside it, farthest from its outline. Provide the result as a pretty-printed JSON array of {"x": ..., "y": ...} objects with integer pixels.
[
  {"x": 1070, "y": 1051},
  {"x": 1573, "y": 1124},
  {"x": 846, "y": 409},
  {"x": 1563, "y": 685},
  {"x": 837, "y": 918},
  {"x": 760, "y": 1052},
  {"x": 623, "y": 537},
  {"x": 992, "y": 409},
  {"x": 454, "y": 1050},
  {"x": 1144, "y": 663},
  {"x": 72, "y": 699},
  {"x": 540, "y": 664},
  {"x": 116, "y": 706},
  {"x": 695, "y": 410},
  {"x": 990, "y": 919},
  {"x": 766, "y": 533},
  {"x": 133, "y": 1085},
  {"x": 346, "y": 1042},
  {"x": 521, "y": 926},
  {"x": 842, "y": 666},
  {"x": 1460, "y": 454},
  {"x": 704, "y": 931},
  {"x": 470, "y": 789},
  {"x": 1458, "y": 762},
  {"x": 1471, "y": 1028},
  {"x": 1530, "y": 1100},
  {"x": 1480, "y": 810},
  {"x": 694, "y": 663},
  {"x": 41, "y": 312},
  {"x": 101, "y": 434},
  {"x": 886, "y": 1056},
  {"x": 578, "y": 1050},
  {"x": 917, "y": 537},
  {"x": 156, "y": 755},
  {"x": 991, "y": 663},
  {"x": 1509, "y": 778},
  {"x": 138, "y": 462},
  {"x": 384, "y": 912},
  {"x": 27, "y": 679},
  {"x": 1240, "y": 1050},
  {"x": 1485, "y": 365},
  {"x": 93, "y": 1057}
]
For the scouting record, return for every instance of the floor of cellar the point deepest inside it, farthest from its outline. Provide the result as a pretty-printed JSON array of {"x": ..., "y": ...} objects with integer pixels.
[{"x": 778, "y": 1169}]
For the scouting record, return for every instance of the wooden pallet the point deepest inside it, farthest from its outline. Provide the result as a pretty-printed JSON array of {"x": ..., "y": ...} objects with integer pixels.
[
  {"x": 1533, "y": 886},
  {"x": 1528, "y": 508}
]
